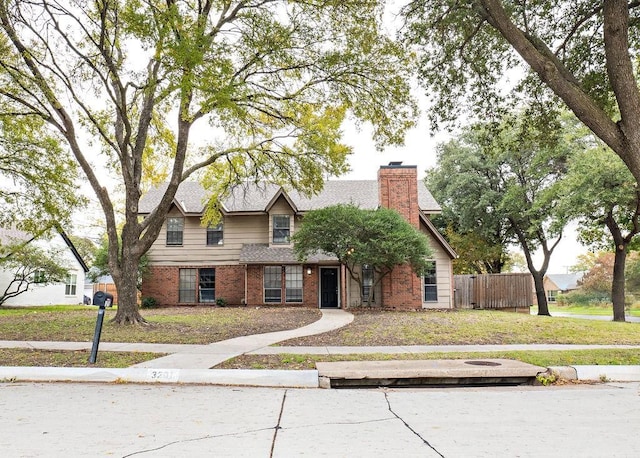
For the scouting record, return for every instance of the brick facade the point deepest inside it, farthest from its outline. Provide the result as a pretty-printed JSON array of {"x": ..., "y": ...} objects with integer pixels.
[
  {"x": 398, "y": 190},
  {"x": 255, "y": 287},
  {"x": 162, "y": 283}
]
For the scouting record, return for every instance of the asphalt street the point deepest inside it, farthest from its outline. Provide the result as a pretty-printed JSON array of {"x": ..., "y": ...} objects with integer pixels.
[{"x": 123, "y": 420}]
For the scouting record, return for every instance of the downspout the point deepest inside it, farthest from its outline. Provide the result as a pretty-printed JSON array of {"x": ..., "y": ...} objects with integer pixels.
[{"x": 246, "y": 285}]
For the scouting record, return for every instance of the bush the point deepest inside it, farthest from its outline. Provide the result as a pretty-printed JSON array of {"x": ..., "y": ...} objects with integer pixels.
[
  {"x": 221, "y": 302},
  {"x": 148, "y": 303},
  {"x": 583, "y": 297}
]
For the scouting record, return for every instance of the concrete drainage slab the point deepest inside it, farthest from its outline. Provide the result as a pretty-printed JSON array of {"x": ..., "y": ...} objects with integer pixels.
[{"x": 438, "y": 372}]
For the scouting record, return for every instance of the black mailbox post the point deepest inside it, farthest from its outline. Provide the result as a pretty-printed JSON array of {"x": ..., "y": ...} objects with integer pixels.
[{"x": 102, "y": 300}]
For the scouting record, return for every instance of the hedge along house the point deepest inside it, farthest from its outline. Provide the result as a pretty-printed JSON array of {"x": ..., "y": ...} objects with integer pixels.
[{"x": 248, "y": 258}]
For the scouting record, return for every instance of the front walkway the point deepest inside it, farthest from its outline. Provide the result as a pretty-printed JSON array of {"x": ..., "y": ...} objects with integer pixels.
[{"x": 207, "y": 356}]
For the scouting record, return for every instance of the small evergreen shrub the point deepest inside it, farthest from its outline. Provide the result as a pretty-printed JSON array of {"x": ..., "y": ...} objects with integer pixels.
[
  {"x": 148, "y": 303},
  {"x": 221, "y": 302}
]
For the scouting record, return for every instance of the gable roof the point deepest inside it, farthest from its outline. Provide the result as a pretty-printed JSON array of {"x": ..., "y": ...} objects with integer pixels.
[
  {"x": 16, "y": 235},
  {"x": 258, "y": 197},
  {"x": 565, "y": 282}
]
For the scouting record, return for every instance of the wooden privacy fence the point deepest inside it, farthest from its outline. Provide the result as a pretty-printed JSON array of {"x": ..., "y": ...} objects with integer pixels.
[{"x": 493, "y": 291}]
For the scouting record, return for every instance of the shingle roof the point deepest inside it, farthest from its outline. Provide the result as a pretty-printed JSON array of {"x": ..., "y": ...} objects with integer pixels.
[
  {"x": 565, "y": 282},
  {"x": 191, "y": 197},
  {"x": 258, "y": 253}
]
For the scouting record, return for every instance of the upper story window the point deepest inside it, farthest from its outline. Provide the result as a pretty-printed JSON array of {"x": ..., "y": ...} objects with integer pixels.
[
  {"x": 281, "y": 228},
  {"x": 175, "y": 229},
  {"x": 215, "y": 235}
]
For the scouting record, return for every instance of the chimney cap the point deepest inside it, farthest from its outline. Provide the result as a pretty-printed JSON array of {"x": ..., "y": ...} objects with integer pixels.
[{"x": 395, "y": 163}]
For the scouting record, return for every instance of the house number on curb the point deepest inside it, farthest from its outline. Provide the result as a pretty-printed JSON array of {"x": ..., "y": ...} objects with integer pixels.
[{"x": 163, "y": 375}]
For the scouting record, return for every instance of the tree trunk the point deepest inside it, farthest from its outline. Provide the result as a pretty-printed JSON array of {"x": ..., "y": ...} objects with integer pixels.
[
  {"x": 538, "y": 281},
  {"x": 125, "y": 276},
  {"x": 618, "y": 286},
  {"x": 126, "y": 284}
]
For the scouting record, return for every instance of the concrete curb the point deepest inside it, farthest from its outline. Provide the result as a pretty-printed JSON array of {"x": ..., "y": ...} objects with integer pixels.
[
  {"x": 251, "y": 377},
  {"x": 602, "y": 373},
  {"x": 237, "y": 377}
]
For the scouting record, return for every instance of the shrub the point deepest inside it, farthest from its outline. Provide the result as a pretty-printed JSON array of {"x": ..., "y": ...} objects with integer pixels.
[
  {"x": 221, "y": 302},
  {"x": 148, "y": 303},
  {"x": 583, "y": 297}
]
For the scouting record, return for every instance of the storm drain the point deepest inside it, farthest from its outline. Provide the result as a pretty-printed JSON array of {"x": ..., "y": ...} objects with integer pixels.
[{"x": 426, "y": 373}]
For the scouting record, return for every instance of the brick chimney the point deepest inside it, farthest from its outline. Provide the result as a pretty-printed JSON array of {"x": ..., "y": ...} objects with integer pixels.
[{"x": 398, "y": 190}]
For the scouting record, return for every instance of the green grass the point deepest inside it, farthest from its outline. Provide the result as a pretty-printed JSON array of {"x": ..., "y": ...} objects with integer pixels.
[
  {"x": 479, "y": 327},
  {"x": 538, "y": 358},
  {"x": 587, "y": 310},
  {"x": 186, "y": 325},
  {"x": 47, "y": 358}
]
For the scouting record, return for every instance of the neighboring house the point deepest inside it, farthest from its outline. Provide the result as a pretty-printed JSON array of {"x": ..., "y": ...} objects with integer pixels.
[
  {"x": 555, "y": 284},
  {"x": 68, "y": 292},
  {"x": 248, "y": 258}
]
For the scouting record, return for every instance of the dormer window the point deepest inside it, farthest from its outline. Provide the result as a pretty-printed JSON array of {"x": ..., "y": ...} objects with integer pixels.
[
  {"x": 281, "y": 228},
  {"x": 215, "y": 235}
]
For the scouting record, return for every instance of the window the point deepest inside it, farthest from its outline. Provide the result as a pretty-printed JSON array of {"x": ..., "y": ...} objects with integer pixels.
[
  {"x": 215, "y": 235},
  {"x": 197, "y": 285},
  {"x": 39, "y": 276},
  {"x": 552, "y": 295},
  {"x": 70, "y": 285},
  {"x": 273, "y": 284},
  {"x": 207, "y": 285},
  {"x": 175, "y": 228},
  {"x": 187, "y": 285},
  {"x": 293, "y": 283},
  {"x": 281, "y": 228},
  {"x": 430, "y": 286},
  {"x": 367, "y": 280}
]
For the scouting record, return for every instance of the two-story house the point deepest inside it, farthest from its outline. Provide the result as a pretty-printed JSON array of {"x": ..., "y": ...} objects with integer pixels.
[{"x": 248, "y": 258}]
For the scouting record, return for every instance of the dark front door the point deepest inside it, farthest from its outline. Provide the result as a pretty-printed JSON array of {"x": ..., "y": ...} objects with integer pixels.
[{"x": 328, "y": 287}]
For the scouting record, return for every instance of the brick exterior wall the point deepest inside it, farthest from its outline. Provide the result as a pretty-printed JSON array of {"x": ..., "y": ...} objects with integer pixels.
[
  {"x": 162, "y": 283},
  {"x": 398, "y": 190},
  {"x": 255, "y": 285}
]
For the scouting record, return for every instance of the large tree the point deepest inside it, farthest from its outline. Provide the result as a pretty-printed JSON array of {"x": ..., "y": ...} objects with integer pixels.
[
  {"x": 380, "y": 239},
  {"x": 583, "y": 51},
  {"x": 221, "y": 90},
  {"x": 503, "y": 178},
  {"x": 603, "y": 195}
]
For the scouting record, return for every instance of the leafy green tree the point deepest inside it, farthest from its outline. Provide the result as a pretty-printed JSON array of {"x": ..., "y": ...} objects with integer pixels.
[
  {"x": 380, "y": 238},
  {"x": 37, "y": 177},
  {"x": 29, "y": 265},
  {"x": 500, "y": 181},
  {"x": 603, "y": 195},
  {"x": 220, "y": 91},
  {"x": 581, "y": 52}
]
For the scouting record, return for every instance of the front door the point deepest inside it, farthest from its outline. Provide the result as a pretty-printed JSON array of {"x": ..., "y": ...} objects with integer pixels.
[{"x": 329, "y": 287}]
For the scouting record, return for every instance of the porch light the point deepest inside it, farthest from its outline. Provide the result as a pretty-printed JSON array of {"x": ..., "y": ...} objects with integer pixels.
[{"x": 308, "y": 270}]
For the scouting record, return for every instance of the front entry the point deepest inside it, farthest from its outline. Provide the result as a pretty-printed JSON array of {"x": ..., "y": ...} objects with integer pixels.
[{"x": 329, "y": 287}]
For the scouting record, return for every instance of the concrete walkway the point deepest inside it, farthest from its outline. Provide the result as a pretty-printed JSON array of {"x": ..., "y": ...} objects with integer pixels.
[{"x": 205, "y": 357}]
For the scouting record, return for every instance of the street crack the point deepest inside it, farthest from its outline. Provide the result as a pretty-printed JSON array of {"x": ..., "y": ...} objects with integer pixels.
[
  {"x": 426, "y": 442},
  {"x": 277, "y": 428}
]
